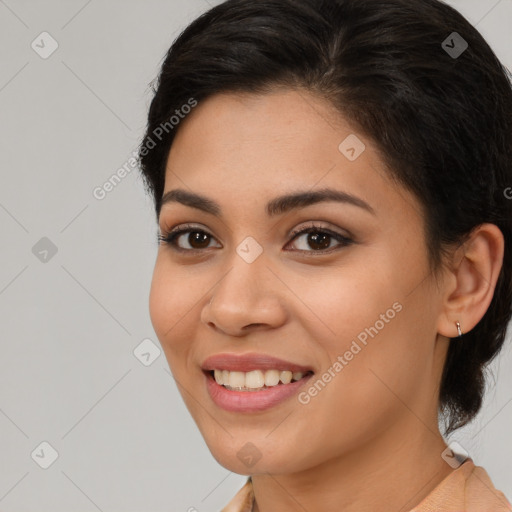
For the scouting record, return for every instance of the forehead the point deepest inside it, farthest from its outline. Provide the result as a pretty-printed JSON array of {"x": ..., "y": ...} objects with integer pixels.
[
  {"x": 264, "y": 124},
  {"x": 248, "y": 146}
]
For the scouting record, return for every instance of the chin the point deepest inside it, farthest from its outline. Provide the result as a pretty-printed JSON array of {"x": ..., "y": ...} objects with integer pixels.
[{"x": 259, "y": 456}]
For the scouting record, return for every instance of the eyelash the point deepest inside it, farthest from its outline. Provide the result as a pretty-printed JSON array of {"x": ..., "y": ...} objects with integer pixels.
[{"x": 170, "y": 238}]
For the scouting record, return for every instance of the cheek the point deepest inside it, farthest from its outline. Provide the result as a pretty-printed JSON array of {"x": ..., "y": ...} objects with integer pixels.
[
  {"x": 366, "y": 319},
  {"x": 160, "y": 298},
  {"x": 169, "y": 303},
  {"x": 343, "y": 303},
  {"x": 386, "y": 362}
]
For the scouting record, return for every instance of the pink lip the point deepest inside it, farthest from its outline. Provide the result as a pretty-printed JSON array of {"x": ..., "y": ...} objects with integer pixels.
[
  {"x": 249, "y": 362},
  {"x": 251, "y": 401}
]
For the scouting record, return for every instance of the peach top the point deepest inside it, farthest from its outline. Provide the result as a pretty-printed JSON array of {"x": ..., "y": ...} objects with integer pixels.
[{"x": 467, "y": 489}]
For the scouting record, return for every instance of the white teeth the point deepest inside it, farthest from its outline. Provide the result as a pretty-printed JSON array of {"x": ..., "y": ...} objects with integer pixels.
[
  {"x": 271, "y": 377},
  {"x": 236, "y": 379},
  {"x": 255, "y": 379},
  {"x": 285, "y": 377}
]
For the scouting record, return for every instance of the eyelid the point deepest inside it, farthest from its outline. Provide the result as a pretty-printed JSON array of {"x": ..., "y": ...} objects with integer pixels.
[
  {"x": 178, "y": 231},
  {"x": 313, "y": 226}
]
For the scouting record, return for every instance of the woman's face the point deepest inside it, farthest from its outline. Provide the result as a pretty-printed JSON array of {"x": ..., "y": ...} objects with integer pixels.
[{"x": 360, "y": 314}]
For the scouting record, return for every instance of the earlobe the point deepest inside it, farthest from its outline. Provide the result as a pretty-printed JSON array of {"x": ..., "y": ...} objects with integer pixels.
[{"x": 475, "y": 268}]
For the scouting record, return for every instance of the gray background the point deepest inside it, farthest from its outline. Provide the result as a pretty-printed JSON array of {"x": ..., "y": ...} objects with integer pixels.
[{"x": 70, "y": 324}]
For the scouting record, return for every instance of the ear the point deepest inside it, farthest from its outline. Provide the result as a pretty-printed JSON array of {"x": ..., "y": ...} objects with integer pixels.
[{"x": 471, "y": 281}]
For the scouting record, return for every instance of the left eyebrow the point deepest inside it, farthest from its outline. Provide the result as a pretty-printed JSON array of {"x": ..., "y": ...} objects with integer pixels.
[{"x": 278, "y": 206}]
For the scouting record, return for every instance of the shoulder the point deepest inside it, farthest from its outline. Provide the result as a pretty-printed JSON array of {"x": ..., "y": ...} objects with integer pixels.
[
  {"x": 480, "y": 493},
  {"x": 468, "y": 488},
  {"x": 243, "y": 500}
]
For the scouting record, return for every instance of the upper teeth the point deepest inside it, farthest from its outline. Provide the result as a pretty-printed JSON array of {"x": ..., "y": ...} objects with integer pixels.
[{"x": 255, "y": 379}]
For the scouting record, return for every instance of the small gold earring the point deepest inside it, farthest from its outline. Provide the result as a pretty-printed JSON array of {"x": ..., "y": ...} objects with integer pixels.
[{"x": 459, "y": 332}]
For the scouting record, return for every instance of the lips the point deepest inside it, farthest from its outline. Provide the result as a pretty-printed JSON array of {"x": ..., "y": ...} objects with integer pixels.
[
  {"x": 249, "y": 362},
  {"x": 255, "y": 398}
]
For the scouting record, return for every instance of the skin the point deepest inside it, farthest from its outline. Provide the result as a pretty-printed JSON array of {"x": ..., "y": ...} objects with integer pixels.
[{"x": 370, "y": 437}]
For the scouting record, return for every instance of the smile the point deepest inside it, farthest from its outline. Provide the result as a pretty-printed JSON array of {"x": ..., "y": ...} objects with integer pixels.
[
  {"x": 252, "y": 382},
  {"x": 255, "y": 380}
]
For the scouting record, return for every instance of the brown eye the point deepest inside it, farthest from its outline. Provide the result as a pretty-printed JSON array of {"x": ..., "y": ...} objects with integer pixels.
[
  {"x": 318, "y": 239},
  {"x": 197, "y": 239}
]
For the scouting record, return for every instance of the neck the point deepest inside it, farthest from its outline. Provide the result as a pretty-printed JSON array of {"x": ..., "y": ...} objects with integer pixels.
[{"x": 399, "y": 469}]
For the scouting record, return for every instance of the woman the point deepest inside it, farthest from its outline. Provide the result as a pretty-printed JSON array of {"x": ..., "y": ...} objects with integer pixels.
[{"x": 334, "y": 271}]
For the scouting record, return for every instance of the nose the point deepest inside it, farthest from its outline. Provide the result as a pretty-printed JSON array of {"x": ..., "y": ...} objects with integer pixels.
[{"x": 249, "y": 297}]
